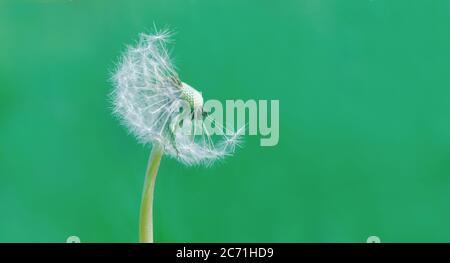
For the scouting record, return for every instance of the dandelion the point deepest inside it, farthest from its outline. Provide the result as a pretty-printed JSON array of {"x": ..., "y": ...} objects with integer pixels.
[{"x": 160, "y": 109}]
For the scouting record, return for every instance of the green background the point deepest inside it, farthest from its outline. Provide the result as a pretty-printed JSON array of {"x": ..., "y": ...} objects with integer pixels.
[{"x": 364, "y": 90}]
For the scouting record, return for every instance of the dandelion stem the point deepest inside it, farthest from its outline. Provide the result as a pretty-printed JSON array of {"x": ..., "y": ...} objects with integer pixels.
[{"x": 146, "y": 218}]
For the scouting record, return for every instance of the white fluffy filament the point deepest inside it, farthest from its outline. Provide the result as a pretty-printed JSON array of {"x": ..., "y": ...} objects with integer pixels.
[{"x": 147, "y": 98}]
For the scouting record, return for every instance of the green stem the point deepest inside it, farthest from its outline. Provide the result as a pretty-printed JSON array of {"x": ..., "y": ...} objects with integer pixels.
[{"x": 146, "y": 218}]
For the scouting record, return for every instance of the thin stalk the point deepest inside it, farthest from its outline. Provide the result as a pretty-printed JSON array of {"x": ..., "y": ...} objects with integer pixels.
[{"x": 146, "y": 217}]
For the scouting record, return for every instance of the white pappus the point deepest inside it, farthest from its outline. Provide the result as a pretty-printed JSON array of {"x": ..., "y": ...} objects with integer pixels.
[{"x": 148, "y": 96}]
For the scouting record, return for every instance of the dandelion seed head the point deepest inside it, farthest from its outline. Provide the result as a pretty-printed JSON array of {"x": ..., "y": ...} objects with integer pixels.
[
  {"x": 192, "y": 96},
  {"x": 148, "y": 95}
]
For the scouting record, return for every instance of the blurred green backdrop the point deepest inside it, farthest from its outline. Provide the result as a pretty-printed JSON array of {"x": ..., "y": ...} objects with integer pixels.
[{"x": 364, "y": 90}]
